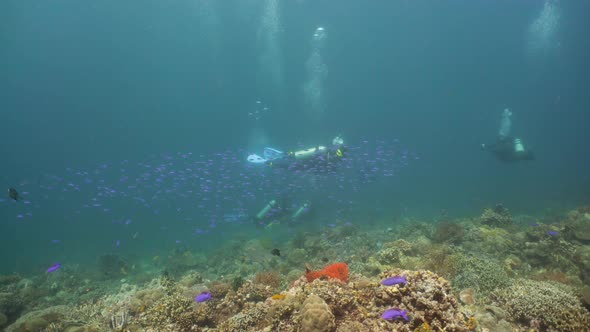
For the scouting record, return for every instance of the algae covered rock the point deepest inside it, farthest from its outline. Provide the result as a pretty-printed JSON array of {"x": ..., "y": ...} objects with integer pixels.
[{"x": 316, "y": 316}]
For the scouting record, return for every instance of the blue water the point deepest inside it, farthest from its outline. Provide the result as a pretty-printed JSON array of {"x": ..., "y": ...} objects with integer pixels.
[{"x": 93, "y": 93}]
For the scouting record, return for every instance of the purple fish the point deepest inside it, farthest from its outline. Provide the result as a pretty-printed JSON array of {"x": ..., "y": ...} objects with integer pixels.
[
  {"x": 553, "y": 233},
  {"x": 395, "y": 313},
  {"x": 203, "y": 297},
  {"x": 54, "y": 268},
  {"x": 397, "y": 280}
]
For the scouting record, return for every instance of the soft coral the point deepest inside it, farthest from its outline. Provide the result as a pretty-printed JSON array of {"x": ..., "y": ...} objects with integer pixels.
[{"x": 337, "y": 271}]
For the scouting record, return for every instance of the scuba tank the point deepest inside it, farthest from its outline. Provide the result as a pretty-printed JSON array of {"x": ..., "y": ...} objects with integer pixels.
[
  {"x": 304, "y": 154},
  {"x": 518, "y": 146},
  {"x": 301, "y": 210},
  {"x": 266, "y": 209}
]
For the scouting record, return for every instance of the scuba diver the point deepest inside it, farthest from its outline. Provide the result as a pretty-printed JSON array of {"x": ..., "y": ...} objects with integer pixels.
[
  {"x": 508, "y": 148},
  {"x": 317, "y": 159},
  {"x": 312, "y": 158},
  {"x": 277, "y": 212}
]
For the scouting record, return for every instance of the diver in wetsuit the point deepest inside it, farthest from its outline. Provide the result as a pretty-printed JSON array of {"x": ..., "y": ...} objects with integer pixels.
[
  {"x": 508, "y": 148},
  {"x": 319, "y": 157}
]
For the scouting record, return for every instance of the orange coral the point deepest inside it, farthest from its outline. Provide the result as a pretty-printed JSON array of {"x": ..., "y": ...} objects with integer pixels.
[
  {"x": 472, "y": 323},
  {"x": 425, "y": 327},
  {"x": 337, "y": 271}
]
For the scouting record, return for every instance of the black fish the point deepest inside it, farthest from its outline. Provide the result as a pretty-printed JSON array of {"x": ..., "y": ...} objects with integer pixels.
[
  {"x": 276, "y": 252},
  {"x": 12, "y": 193}
]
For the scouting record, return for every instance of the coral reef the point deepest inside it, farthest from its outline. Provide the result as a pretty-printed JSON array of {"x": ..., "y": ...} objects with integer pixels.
[
  {"x": 394, "y": 252},
  {"x": 482, "y": 275},
  {"x": 316, "y": 316},
  {"x": 499, "y": 216},
  {"x": 112, "y": 266},
  {"x": 39, "y": 320},
  {"x": 427, "y": 298},
  {"x": 172, "y": 309},
  {"x": 9, "y": 279},
  {"x": 549, "y": 306},
  {"x": 508, "y": 274},
  {"x": 337, "y": 271},
  {"x": 450, "y": 232},
  {"x": 269, "y": 278},
  {"x": 11, "y": 305},
  {"x": 219, "y": 289}
]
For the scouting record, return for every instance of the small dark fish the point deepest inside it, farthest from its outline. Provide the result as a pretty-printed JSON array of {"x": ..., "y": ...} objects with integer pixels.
[
  {"x": 397, "y": 280},
  {"x": 13, "y": 194},
  {"x": 276, "y": 252},
  {"x": 395, "y": 313},
  {"x": 203, "y": 297}
]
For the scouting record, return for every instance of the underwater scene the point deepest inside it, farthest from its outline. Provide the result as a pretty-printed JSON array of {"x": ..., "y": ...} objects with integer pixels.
[{"x": 294, "y": 165}]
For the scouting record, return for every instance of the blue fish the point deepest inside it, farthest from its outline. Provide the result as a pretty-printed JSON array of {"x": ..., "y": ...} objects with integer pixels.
[
  {"x": 395, "y": 313},
  {"x": 553, "y": 233},
  {"x": 203, "y": 297},
  {"x": 397, "y": 280}
]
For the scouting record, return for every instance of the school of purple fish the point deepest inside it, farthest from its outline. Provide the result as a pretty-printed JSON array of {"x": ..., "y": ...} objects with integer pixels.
[{"x": 201, "y": 193}]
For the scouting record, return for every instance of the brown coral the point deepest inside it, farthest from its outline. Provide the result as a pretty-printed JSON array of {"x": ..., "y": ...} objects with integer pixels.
[{"x": 316, "y": 316}]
